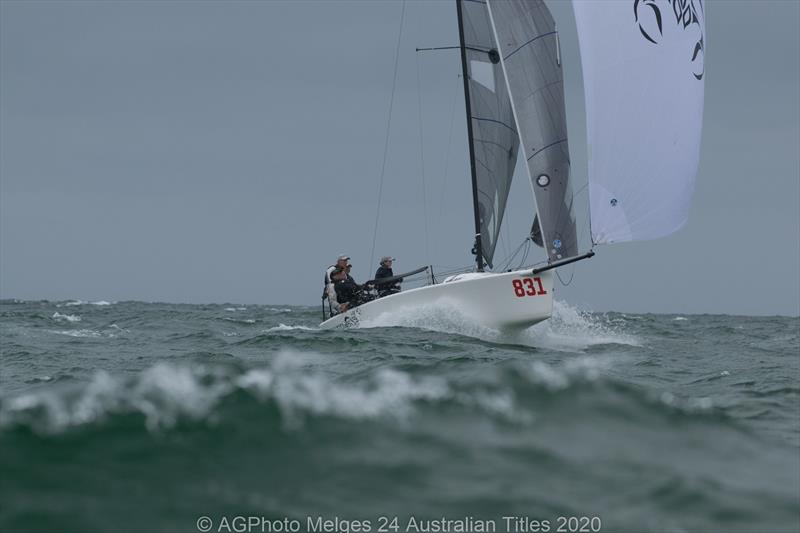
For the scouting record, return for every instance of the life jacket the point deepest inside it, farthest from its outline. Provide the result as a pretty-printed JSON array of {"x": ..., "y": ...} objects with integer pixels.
[{"x": 329, "y": 291}]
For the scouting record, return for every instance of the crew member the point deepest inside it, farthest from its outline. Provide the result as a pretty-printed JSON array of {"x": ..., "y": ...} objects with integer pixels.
[
  {"x": 348, "y": 292},
  {"x": 330, "y": 291},
  {"x": 385, "y": 271}
]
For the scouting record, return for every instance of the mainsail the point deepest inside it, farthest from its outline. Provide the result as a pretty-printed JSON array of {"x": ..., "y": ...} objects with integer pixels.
[
  {"x": 643, "y": 77},
  {"x": 493, "y": 134},
  {"x": 528, "y": 45}
]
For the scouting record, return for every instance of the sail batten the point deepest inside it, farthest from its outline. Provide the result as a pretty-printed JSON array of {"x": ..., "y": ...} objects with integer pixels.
[{"x": 528, "y": 44}]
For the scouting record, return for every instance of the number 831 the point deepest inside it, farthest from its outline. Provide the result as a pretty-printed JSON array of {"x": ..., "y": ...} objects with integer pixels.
[{"x": 528, "y": 287}]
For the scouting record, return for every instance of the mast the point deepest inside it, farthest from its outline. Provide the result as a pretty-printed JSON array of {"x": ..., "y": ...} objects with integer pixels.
[{"x": 465, "y": 75}]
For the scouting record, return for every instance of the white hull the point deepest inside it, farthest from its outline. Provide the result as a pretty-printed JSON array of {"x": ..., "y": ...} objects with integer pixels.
[{"x": 505, "y": 301}]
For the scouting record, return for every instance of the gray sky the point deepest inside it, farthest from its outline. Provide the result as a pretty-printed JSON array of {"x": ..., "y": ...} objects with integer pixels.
[{"x": 226, "y": 152}]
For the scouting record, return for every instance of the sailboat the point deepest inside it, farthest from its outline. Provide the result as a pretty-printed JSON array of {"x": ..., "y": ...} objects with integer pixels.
[{"x": 643, "y": 69}]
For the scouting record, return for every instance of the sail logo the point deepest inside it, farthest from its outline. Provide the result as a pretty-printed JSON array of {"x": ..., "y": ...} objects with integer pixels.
[{"x": 688, "y": 16}]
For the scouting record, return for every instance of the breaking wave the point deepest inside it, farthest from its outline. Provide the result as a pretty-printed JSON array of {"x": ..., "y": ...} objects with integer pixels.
[
  {"x": 165, "y": 393},
  {"x": 285, "y": 327},
  {"x": 73, "y": 303},
  {"x": 69, "y": 318}
]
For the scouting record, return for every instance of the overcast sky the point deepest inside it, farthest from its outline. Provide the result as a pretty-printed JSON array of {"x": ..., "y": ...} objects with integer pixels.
[{"x": 207, "y": 151}]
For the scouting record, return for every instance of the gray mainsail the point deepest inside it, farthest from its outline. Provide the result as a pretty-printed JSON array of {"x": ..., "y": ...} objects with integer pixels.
[
  {"x": 492, "y": 131},
  {"x": 528, "y": 44}
]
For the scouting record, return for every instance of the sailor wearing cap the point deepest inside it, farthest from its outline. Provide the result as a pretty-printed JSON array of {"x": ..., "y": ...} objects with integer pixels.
[
  {"x": 330, "y": 291},
  {"x": 385, "y": 271}
]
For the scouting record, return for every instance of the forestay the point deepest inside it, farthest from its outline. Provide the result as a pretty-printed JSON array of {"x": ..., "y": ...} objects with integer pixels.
[
  {"x": 528, "y": 42},
  {"x": 643, "y": 75},
  {"x": 494, "y": 135}
]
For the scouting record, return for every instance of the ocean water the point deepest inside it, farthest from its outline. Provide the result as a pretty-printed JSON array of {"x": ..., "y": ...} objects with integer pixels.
[{"x": 160, "y": 417}]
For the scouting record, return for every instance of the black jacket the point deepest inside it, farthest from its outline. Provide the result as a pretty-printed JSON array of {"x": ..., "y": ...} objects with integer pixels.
[
  {"x": 347, "y": 291},
  {"x": 383, "y": 272},
  {"x": 386, "y": 288}
]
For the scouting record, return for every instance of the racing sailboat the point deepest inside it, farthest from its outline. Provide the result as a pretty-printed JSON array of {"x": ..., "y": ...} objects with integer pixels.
[{"x": 643, "y": 74}]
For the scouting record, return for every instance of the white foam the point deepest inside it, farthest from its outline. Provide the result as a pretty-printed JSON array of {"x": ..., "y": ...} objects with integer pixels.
[
  {"x": 84, "y": 302},
  {"x": 569, "y": 328},
  {"x": 573, "y": 329},
  {"x": 284, "y": 327},
  {"x": 164, "y": 392},
  {"x": 240, "y": 320},
  {"x": 69, "y": 318},
  {"x": 89, "y": 333},
  {"x": 561, "y": 376},
  {"x": 437, "y": 317},
  {"x": 236, "y": 309},
  {"x": 299, "y": 394},
  {"x": 292, "y": 381},
  {"x": 680, "y": 318},
  {"x": 112, "y": 331},
  {"x": 161, "y": 393},
  {"x": 279, "y": 310}
]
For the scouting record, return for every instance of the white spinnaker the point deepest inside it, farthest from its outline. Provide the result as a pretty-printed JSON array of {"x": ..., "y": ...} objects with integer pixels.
[{"x": 643, "y": 79}]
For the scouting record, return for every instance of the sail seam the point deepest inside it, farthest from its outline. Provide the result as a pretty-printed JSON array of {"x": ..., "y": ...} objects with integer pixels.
[
  {"x": 545, "y": 148},
  {"x": 496, "y": 122},
  {"x": 529, "y": 42}
]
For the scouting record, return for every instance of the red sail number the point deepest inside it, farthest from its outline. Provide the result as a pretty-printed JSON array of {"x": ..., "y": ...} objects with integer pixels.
[{"x": 528, "y": 287}]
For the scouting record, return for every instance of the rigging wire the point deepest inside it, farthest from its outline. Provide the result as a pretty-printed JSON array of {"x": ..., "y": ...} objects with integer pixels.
[
  {"x": 571, "y": 276},
  {"x": 459, "y": 90},
  {"x": 388, "y": 130},
  {"x": 422, "y": 165}
]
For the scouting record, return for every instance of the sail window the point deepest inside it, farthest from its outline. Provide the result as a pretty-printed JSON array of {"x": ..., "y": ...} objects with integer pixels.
[{"x": 543, "y": 180}]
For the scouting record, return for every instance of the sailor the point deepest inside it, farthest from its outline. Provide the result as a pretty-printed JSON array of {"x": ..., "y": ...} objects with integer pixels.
[
  {"x": 348, "y": 292},
  {"x": 330, "y": 291},
  {"x": 385, "y": 271}
]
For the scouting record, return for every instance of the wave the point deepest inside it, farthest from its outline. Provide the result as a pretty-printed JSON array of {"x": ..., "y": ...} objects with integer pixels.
[
  {"x": 568, "y": 329},
  {"x": 573, "y": 329},
  {"x": 73, "y": 303},
  {"x": 284, "y": 327},
  {"x": 165, "y": 394},
  {"x": 240, "y": 320},
  {"x": 84, "y": 333},
  {"x": 69, "y": 318},
  {"x": 111, "y": 331}
]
